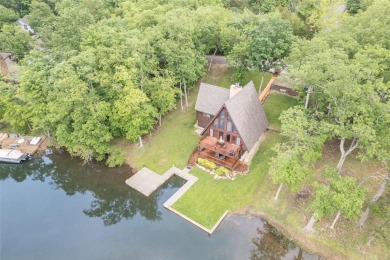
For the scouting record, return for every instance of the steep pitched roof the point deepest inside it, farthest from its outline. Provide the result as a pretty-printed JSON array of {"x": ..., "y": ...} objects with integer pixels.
[
  {"x": 248, "y": 115},
  {"x": 211, "y": 98}
]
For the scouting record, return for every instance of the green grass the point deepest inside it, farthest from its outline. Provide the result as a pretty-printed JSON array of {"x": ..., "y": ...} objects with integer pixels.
[
  {"x": 172, "y": 144},
  {"x": 208, "y": 198},
  {"x": 174, "y": 141},
  {"x": 274, "y": 105},
  {"x": 225, "y": 78}
]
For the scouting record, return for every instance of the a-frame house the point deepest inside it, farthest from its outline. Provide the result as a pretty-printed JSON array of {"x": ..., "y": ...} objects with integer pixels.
[{"x": 234, "y": 128}]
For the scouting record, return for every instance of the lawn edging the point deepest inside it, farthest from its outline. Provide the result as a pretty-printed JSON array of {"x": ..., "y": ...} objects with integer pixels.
[{"x": 210, "y": 231}]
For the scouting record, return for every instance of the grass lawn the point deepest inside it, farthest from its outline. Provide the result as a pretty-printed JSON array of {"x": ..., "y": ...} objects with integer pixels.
[
  {"x": 171, "y": 144},
  {"x": 208, "y": 199},
  {"x": 274, "y": 105},
  {"x": 222, "y": 76}
]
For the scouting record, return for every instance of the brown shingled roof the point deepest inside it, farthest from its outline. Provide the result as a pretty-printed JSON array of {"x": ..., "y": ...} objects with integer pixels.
[
  {"x": 248, "y": 115},
  {"x": 244, "y": 108},
  {"x": 211, "y": 98}
]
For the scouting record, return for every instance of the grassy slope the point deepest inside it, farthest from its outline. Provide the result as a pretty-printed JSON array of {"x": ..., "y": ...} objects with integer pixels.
[
  {"x": 346, "y": 240},
  {"x": 208, "y": 199},
  {"x": 172, "y": 144},
  {"x": 273, "y": 106}
]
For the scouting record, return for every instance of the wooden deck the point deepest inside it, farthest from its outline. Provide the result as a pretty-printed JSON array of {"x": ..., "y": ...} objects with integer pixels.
[
  {"x": 211, "y": 143},
  {"x": 230, "y": 163},
  {"x": 24, "y": 147}
]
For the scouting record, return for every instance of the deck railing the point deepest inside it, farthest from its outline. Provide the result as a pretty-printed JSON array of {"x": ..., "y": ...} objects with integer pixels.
[{"x": 228, "y": 163}]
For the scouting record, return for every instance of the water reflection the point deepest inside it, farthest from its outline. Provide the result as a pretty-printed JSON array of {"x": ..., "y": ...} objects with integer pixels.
[
  {"x": 41, "y": 222},
  {"x": 271, "y": 244},
  {"x": 113, "y": 199}
]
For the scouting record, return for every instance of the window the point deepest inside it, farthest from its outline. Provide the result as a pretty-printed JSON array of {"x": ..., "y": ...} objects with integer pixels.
[
  {"x": 206, "y": 115},
  {"x": 222, "y": 124},
  {"x": 211, "y": 132},
  {"x": 216, "y": 123},
  {"x": 229, "y": 118},
  {"x": 229, "y": 126},
  {"x": 238, "y": 141},
  {"x": 223, "y": 113},
  {"x": 234, "y": 129}
]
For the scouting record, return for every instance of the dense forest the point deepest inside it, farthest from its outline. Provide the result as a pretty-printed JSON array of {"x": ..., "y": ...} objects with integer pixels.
[{"x": 99, "y": 70}]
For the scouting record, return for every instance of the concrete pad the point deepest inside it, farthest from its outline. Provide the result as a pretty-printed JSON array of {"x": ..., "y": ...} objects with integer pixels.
[{"x": 145, "y": 181}]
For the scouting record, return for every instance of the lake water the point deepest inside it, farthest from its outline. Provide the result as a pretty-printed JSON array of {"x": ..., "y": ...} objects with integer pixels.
[{"x": 56, "y": 207}]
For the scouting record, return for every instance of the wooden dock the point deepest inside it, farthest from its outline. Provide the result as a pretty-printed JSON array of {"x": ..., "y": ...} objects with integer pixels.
[
  {"x": 21, "y": 143},
  {"x": 146, "y": 181}
]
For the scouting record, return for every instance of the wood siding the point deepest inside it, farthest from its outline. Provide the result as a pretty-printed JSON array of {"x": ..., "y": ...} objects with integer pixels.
[
  {"x": 203, "y": 120},
  {"x": 222, "y": 131}
]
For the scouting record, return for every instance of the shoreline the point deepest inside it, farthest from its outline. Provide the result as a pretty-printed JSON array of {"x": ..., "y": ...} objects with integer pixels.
[{"x": 303, "y": 242}]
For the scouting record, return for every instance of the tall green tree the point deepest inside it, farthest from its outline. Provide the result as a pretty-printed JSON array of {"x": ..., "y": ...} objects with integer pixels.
[
  {"x": 296, "y": 158},
  {"x": 7, "y": 16},
  {"x": 15, "y": 40},
  {"x": 340, "y": 195},
  {"x": 265, "y": 39}
]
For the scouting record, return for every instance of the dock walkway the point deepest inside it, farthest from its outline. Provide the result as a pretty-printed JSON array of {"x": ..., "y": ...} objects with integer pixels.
[
  {"x": 21, "y": 143},
  {"x": 146, "y": 181}
]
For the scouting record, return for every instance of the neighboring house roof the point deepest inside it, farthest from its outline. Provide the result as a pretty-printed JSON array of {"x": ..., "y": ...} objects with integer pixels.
[
  {"x": 7, "y": 65},
  {"x": 247, "y": 114},
  {"x": 211, "y": 98}
]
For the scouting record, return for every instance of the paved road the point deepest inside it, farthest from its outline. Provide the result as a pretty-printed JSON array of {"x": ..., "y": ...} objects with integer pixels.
[{"x": 217, "y": 59}]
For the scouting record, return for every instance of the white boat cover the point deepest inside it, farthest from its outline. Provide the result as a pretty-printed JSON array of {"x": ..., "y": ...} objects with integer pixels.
[
  {"x": 10, "y": 154},
  {"x": 35, "y": 140}
]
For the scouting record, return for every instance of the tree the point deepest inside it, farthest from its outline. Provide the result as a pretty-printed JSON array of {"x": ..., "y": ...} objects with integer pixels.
[
  {"x": 34, "y": 88},
  {"x": 321, "y": 206},
  {"x": 19, "y": 6},
  {"x": 296, "y": 158},
  {"x": 341, "y": 195},
  {"x": 162, "y": 94},
  {"x": 376, "y": 197},
  {"x": 7, "y": 16},
  {"x": 347, "y": 196},
  {"x": 348, "y": 87},
  {"x": 15, "y": 40},
  {"x": 41, "y": 16},
  {"x": 264, "y": 39},
  {"x": 133, "y": 114}
]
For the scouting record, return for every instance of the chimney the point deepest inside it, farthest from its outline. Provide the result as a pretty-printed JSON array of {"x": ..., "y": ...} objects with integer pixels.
[{"x": 234, "y": 89}]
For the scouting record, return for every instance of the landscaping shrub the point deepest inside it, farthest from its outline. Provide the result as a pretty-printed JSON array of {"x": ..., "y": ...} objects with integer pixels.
[
  {"x": 206, "y": 163},
  {"x": 221, "y": 171}
]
